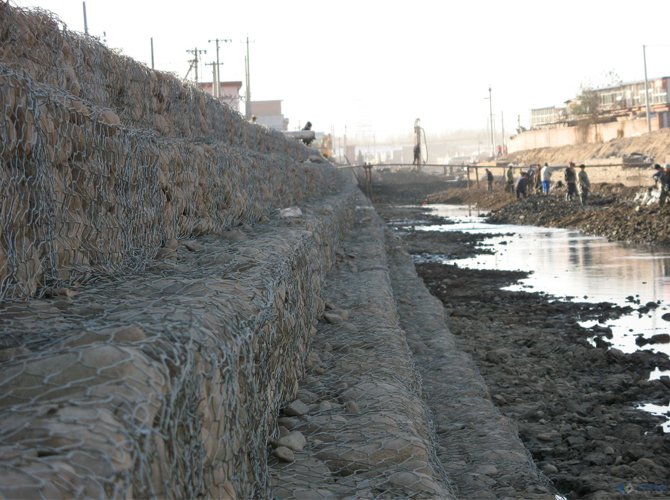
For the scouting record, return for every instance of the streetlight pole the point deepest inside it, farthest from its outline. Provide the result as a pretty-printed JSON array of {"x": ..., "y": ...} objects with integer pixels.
[{"x": 646, "y": 87}]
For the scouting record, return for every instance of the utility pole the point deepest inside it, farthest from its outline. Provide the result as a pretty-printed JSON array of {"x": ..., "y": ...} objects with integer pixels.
[
  {"x": 344, "y": 152},
  {"x": 502, "y": 120},
  {"x": 217, "y": 92},
  {"x": 194, "y": 62},
  {"x": 247, "y": 64},
  {"x": 152, "y": 52},
  {"x": 493, "y": 143},
  {"x": 646, "y": 87},
  {"x": 213, "y": 65},
  {"x": 488, "y": 131},
  {"x": 85, "y": 21}
]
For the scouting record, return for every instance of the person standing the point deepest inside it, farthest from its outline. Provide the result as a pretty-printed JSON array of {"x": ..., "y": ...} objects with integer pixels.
[
  {"x": 510, "y": 181},
  {"x": 545, "y": 174},
  {"x": 658, "y": 172},
  {"x": 417, "y": 155},
  {"x": 571, "y": 181},
  {"x": 584, "y": 184},
  {"x": 665, "y": 185},
  {"x": 531, "y": 178},
  {"x": 489, "y": 179},
  {"x": 538, "y": 178}
]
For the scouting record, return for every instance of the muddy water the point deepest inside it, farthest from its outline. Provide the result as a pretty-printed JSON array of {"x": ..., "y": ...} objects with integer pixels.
[{"x": 569, "y": 265}]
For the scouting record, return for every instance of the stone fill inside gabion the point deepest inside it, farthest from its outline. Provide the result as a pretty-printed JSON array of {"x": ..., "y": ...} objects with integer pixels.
[
  {"x": 90, "y": 184},
  {"x": 154, "y": 309},
  {"x": 165, "y": 384}
]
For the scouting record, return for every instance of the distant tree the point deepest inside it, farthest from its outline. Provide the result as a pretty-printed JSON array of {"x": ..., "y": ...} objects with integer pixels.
[
  {"x": 587, "y": 106},
  {"x": 359, "y": 159},
  {"x": 587, "y": 109}
]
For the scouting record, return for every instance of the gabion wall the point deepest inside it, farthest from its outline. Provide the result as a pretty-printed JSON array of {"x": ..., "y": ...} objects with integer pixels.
[{"x": 88, "y": 186}]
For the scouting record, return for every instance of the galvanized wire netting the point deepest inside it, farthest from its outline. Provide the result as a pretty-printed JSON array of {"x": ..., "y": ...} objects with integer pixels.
[
  {"x": 38, "y": 43},
  {"x": 81, "y": 194},
  {"x": 367, "y": 433},
  {"x": 163, "y": 385},
  {"x": 134, "y": 361}
]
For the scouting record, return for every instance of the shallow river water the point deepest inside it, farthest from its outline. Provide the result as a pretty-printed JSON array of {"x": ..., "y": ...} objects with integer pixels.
[{"x": 566, "y": 263}]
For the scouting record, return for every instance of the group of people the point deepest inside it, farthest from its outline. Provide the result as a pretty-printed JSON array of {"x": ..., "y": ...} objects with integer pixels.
[{"x": 538, "y": 178}]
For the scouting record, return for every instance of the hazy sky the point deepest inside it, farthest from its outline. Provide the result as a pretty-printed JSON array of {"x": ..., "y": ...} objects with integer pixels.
[{"x": 377, "y": 65}]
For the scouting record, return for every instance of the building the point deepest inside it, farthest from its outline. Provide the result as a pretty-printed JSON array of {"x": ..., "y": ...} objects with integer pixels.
[
  {"x": 269, "y": 113},
  {"x": 229, "y": 92},
  {"x": 546, "y": 116},
  {"x": 620, "y": 111},
  {"x": 615, "y": 101},
  {"x": 628, "y": 99}
]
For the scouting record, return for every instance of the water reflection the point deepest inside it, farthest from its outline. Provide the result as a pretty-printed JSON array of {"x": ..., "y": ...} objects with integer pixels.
[{"x": 568, "y": 264}]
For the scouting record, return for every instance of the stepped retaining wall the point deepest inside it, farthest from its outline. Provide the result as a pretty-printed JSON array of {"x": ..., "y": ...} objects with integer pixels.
[{"x": 90, "y": 186}]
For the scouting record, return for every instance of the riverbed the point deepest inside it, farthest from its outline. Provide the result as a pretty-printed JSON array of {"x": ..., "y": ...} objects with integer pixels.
[
  {"x": 569, "y": 265},
  {"x": 574, "y": 396},
  {"x": 563, "y": 265}
]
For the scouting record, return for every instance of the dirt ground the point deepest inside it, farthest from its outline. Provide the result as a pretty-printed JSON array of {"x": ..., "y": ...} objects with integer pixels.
[
  {"x": 573, "y": 402},
  {"x": 655, "y": 144}
]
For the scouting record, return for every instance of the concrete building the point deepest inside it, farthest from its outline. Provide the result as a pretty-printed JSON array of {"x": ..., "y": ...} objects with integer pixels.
[
  {"x": 546, "y": 116},
  {"x": 621, "y": 113},
  {"x": 229, "y": 92},
  {"x": 269, "y": 113}
]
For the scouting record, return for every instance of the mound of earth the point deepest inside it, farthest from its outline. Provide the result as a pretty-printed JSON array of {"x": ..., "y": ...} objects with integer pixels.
[{"x": 655, "y": 144}]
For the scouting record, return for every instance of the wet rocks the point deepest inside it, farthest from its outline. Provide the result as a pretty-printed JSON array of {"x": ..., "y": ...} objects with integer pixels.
[
  {"x": 573, "y": 403},
  {"x": 607, "y": 214},
  {"x": 659, "y": 338}
]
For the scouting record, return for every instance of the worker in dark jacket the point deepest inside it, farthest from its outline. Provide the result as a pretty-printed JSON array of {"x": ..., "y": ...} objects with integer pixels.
[
  {"x": 658, "y": 172},
  {"x": 571, "y": 181},
  {"x": 308, "y": 126},
  {"x": 521, "y": 185},
  {"x": 665, "y": 185},
  {"x": 489, "y": 179}
]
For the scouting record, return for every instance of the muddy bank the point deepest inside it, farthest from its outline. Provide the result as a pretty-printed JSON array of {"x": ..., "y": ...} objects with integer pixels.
[
  {"x": 655, "y": 144},
  {"x": 611, "y": 211},
  {"x": 405, "y": 222},
  {"x": 407, "y": 187},
  {"x": 617, "y": 219},
  {"x": 573, "y": 402}
]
